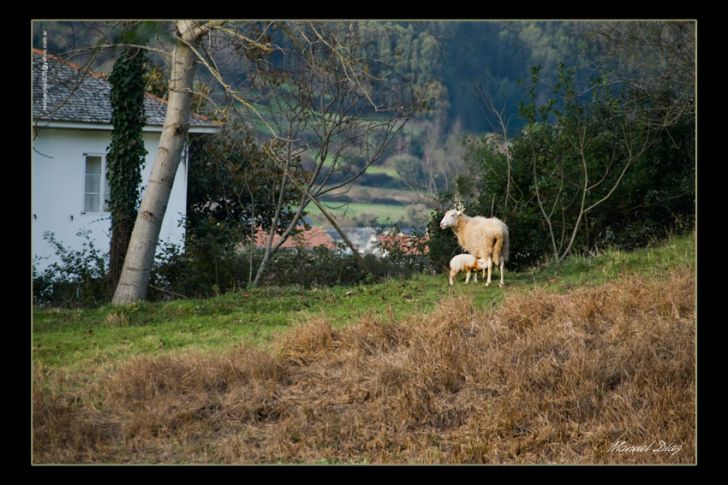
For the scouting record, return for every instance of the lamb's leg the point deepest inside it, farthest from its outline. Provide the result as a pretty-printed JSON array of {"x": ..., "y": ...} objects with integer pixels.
[
  {"x": 467, "y": 276},
  {"x": 452, "y": 282},
  {"x": 475, "y": 275}
]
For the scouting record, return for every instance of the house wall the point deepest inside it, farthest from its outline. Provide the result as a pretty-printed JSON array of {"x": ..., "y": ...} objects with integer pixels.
[{"x": 58, "y": 191}]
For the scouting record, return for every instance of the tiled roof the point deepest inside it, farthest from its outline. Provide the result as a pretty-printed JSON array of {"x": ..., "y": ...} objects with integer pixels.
[
  {"x": 78, "y": 95},
  {"x": 306, "y": 239},
  {"x": 407, "y": 244}
]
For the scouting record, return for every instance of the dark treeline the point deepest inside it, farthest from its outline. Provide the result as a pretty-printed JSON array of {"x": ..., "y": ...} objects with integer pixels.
[
  {"x": 454, "y": 59},
  {"x": 497, "y": 57}
]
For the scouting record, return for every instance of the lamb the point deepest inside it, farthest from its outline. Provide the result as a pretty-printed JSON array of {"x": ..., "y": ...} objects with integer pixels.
[
  {"x": 483, "y": 238},
  {"x": 467, "y": 263}
]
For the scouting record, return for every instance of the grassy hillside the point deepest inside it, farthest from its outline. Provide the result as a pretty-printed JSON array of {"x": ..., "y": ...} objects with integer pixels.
[
  {"x": 93, "y": 337},
  {"x": 556, "y": 367},
  {"x": 384, "y": 213},
  {"x": 389, "y": 171},
  {"x": 378, "y": 193}
]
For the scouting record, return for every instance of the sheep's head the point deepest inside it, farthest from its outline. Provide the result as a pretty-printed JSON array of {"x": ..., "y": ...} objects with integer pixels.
[
  {"x": 481, "y": 263},
  {"x": 451, "y": 218}
]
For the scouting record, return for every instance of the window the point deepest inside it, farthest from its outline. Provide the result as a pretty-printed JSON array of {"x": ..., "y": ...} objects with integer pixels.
[{"x": 96, "y": 187}]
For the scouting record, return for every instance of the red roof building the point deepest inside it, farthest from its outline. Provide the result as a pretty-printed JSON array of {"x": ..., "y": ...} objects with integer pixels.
[
  {"x": 409, "y": 245},
  {"x": 305, "y": 239}
]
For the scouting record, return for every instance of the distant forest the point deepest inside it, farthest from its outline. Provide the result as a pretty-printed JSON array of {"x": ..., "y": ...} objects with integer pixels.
[{"x": 461, "y": 60}]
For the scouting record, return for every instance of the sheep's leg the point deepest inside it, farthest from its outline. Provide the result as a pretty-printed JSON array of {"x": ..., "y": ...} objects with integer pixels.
[
  {"x": 502, "y": 270},
  {"x": 452, "y": 282},
  {"x": 475, "y": 275},
  {"x": 490, "y": 266},
  {"x": 467, "y": 277},
  {"x": 497, "y": 257}
]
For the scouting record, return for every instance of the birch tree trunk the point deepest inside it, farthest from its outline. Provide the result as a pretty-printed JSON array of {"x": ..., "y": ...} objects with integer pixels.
[{"x": 136, "y": 271}]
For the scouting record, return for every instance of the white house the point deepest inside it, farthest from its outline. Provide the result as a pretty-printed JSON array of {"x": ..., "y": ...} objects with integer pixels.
[{"x": 71, "y": 133}]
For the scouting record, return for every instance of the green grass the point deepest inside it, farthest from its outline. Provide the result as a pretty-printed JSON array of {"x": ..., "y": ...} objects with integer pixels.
[
  {"x": 78, "y": 338},
  {"x": 314, "y": 155},
  {"x": 371, "y": 170},
  {"x": 91, "y": 338},
  {"x": 376, "y": 170},
  {"x": 675, "y": 254}
]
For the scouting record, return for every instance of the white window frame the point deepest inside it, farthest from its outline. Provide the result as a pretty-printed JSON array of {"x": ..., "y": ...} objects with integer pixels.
[{"x": 104, "y": 184}]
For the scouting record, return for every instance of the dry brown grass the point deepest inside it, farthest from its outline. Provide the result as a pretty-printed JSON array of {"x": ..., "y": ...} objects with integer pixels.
[{"x": 545, "y": 378}]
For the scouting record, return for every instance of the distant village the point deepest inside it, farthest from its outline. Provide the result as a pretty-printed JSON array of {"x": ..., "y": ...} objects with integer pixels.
[{"x": 368, "y": 240}]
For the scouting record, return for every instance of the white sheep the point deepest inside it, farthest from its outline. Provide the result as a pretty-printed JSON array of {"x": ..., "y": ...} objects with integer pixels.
[
  {"x": 467, "y": 263},
  {"x": 483, "y": 238}
]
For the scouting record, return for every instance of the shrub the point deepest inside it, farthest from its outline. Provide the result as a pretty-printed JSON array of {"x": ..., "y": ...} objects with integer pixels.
[
  {"x": 78, "y": 279},
  {"x": 191, "y": 275}
]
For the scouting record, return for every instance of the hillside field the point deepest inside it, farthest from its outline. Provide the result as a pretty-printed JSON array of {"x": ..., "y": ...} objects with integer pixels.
[
  {"x": 384, "y": 213},
  {"x": 565, "y": 364}
]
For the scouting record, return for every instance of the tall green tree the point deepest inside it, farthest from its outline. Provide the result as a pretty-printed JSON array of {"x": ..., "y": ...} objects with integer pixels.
[{"x": 125, "y": 156}]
